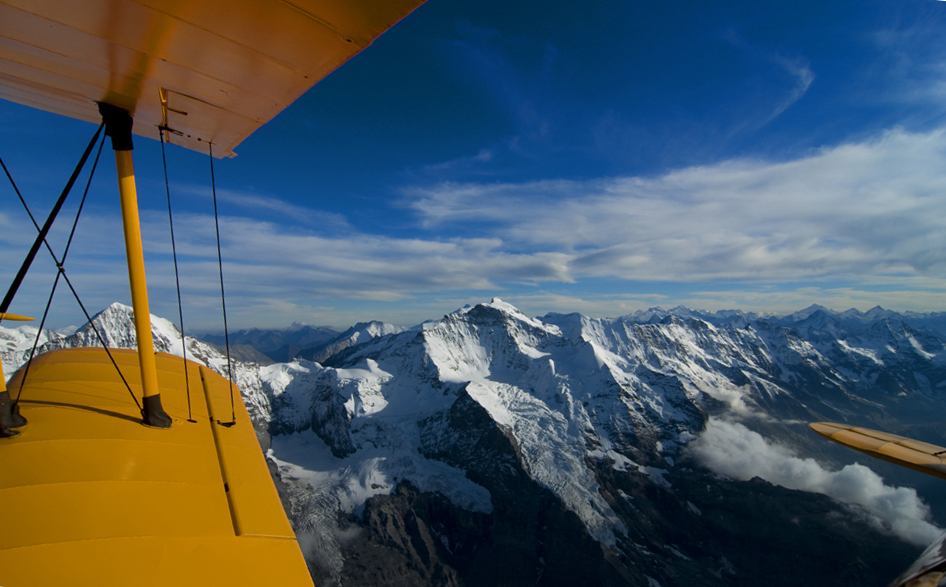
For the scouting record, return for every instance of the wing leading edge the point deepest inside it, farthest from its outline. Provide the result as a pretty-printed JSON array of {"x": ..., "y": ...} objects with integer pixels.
[{"x": 906, "y": 452}]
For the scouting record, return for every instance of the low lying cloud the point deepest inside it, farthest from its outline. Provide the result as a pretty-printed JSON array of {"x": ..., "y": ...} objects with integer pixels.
[{"x": 733, "y": 450}]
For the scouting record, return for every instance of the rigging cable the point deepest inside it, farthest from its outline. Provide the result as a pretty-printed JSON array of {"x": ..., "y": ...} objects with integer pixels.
[
  {"x": 177, "y": 279},
  {"x": 223, "y": 300},
  {"x": 41, "y": 237},
  {"x": 60, "y": 264}
]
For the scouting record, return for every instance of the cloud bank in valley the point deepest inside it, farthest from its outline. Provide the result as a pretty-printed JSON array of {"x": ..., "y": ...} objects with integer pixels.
[{"x": 731, "y": 449}]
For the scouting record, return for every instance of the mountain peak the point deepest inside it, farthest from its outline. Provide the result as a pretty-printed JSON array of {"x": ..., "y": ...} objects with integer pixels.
[
  {"x": 507, "y": 310},
  {"x": 116, "y": 307},
  {"x": 503, "y": 306},
  {"x": 876, "y": 311},
  {"x": 578, "y": 422},
  {"x": 494, "y": 303},
  {"x": 114, "y": 312}
]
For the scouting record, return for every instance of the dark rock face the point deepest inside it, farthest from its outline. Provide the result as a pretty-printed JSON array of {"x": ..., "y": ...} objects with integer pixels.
[
  {"x": 467, "y": 437},
  {"x": 422, "y": 539},
  {"x": 699, "y": 530},
  {"x": 530, "y": 538},
  {"x": 330, "y": 421},
  {"x": 703, "y": 530},
  {"x": 356, "y": 335},
  {"x": 402, "y": 543}
]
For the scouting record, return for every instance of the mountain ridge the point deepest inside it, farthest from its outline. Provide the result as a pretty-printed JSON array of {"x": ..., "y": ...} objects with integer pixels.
[{"x": 473, "y": 433}]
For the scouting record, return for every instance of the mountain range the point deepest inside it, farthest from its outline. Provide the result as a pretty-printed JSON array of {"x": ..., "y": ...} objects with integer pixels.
[
  {"x": 314, "y": 343},
  {"x": 667, "y": 447}
]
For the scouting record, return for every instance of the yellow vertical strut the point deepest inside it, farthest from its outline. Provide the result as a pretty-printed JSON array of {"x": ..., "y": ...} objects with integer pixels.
[
  {"x": 118, "y": 124},
  {"x": 136, "y": 272}
]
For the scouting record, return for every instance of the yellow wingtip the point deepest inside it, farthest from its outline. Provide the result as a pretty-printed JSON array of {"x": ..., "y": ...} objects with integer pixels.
[
  {"x": 15, "y": 317},
  {"x": 826, "y": 429}
]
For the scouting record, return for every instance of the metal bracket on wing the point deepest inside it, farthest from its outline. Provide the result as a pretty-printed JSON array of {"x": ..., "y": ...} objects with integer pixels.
[
  {"x": 163, "y": 128},
  {"x": 10, "y": 417}
]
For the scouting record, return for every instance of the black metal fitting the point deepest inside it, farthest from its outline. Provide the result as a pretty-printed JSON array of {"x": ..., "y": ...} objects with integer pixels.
[
  {"x": 9, "y": 416},
  {"x": 118, "y": 123}
]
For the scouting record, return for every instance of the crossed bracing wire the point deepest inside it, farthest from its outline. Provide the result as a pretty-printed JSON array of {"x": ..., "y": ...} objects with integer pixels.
[{"x": 60, "y": 263}]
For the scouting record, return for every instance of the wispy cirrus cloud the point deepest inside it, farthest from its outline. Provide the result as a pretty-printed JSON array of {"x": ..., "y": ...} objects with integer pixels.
[
  {"x": 911, "y": 62},
  {"x": 852, "y": 211},
  {"x": 803, "y": 76},
  {"x": 776, "y": 99},
  {"x": 266, "y": 203}
]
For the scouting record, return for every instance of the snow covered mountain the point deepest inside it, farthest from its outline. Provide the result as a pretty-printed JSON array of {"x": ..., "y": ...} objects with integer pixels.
[
  {"x": 280, "y": 345},
  {"x": 16, "y": 344},
  {"x": 623, "y": 432},
  {"x": 357, "y": 334},
  {"x": 662, "y": 448}
]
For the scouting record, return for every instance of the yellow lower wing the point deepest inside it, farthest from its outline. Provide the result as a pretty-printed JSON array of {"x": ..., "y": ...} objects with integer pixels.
[
  {"x": 89, "y": 496},
  {"x": 924, "y": 457}
]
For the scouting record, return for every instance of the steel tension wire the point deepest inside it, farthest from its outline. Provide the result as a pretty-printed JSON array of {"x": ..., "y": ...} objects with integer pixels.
[
  {"x": 41, "y": 237},
  {"x": 38, "y": 229},
  {"x": 102, "y": 340},
  {"x": 19, "y": 195},
  {"x": 177, "y": 279},
  {"x": 85, "y": 194},
  {"x": 223, "y": 300},
  {"x": 60, "y": 264},
  {"x": 75, "y": 294},
  {"x": 29, "y": 362}
]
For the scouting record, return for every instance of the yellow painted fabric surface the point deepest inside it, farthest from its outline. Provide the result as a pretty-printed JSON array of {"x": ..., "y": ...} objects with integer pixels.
[
  {"x": 90, "y": 496},
  {"x": 227, "y": 67}
]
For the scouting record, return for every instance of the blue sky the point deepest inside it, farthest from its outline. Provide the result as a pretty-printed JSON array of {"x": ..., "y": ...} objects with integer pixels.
[{"x": 601, "y": 159}]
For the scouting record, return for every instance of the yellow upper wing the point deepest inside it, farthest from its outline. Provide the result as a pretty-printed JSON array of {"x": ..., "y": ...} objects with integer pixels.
[{"x": 223, "y": 67}]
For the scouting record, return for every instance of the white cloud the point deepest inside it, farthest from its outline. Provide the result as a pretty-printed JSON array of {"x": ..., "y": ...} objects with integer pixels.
[
  {"x": 461, "y": 163},
  {"x": 868, "y": 215},
  {"x": 803, "y": 76},
  {"x": 856, "y": 210},
  {"x": 733, "y": 450},
  {"x": 258, "y": 202}
]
